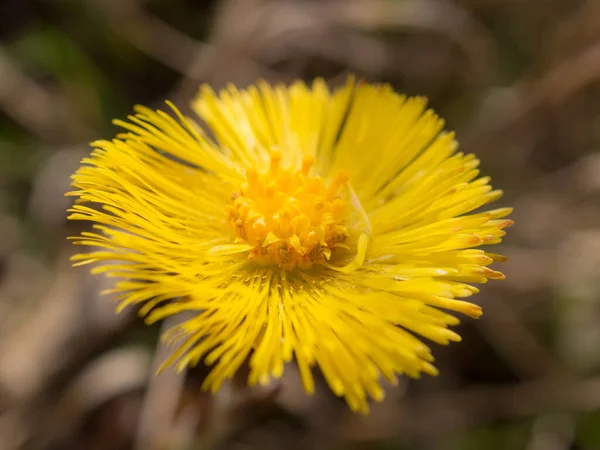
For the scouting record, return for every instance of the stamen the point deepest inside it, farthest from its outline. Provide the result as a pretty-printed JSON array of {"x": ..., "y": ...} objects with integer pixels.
[
  {"x": 340, "y": 180},
  {"x": 275, "y": 160},
  {"x": 290, "y": 219},
  {"x": 307, "y": 164}
]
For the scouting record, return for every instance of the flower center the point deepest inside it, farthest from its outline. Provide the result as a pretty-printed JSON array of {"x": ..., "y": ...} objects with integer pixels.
[{"x": 290, "y": 218}]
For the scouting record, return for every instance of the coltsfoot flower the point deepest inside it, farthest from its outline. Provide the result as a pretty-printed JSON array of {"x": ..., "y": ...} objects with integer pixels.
[{"x": 328, "y": 228}]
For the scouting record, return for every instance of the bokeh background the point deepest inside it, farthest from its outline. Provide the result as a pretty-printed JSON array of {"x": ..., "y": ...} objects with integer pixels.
[{"x": 518, "y": 79}]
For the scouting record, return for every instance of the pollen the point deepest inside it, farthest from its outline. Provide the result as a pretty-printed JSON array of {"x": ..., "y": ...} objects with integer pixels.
[{"x": 290, "y": 218}]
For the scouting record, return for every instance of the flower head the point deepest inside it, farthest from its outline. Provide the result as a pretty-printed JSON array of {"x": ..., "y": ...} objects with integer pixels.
[{"x": 329, "y": 228}]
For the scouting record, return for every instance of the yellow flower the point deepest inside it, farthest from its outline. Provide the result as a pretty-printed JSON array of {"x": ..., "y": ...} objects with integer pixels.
[{"x": 329, "y": 228}]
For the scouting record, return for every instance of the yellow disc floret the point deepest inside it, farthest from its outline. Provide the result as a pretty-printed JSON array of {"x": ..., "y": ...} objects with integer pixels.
[{"x": 292, "y": 219}]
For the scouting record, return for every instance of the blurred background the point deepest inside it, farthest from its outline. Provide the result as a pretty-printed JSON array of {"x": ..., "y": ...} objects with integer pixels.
[{"x": 518, "y": 79}]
